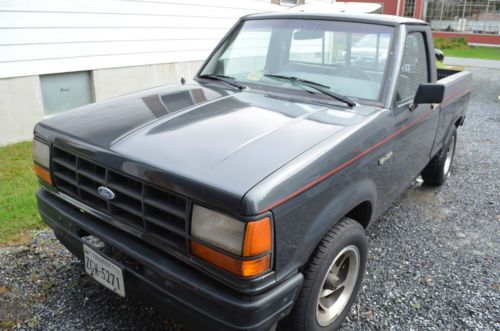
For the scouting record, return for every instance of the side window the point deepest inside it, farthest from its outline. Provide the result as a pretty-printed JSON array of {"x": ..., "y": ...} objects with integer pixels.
[{"x": 414, "y": 68}]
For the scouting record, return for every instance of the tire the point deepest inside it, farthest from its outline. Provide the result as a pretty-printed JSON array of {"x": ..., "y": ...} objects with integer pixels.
[
  {"x": 336, "y": 251},
  {"x": 439, "y": 168}
]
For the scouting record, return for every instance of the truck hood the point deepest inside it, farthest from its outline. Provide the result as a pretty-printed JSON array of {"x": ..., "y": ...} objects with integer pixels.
[{"x": 208, "y": 136}]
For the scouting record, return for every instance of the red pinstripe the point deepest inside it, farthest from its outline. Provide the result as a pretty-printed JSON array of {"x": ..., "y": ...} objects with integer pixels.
[{"x": 357, "y": 157}]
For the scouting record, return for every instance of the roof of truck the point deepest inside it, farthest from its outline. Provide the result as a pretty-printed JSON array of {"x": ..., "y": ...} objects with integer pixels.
[{"x": 359, "y": 18}]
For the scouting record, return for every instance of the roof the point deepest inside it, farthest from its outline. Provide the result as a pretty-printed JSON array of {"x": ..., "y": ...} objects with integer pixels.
[
  {"x": 360, "y": 18},
  {"x": 338, "y": 7}
]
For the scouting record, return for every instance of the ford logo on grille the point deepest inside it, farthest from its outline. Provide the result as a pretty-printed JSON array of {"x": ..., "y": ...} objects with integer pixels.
[{"x": 106, "y": 193}]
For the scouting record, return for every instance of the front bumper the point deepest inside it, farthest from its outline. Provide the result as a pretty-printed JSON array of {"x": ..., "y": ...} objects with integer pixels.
[{"x": 180, "y": 291}]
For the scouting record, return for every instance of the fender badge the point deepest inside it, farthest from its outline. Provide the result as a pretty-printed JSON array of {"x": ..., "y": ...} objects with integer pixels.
[{"x": 386, "y": 157}]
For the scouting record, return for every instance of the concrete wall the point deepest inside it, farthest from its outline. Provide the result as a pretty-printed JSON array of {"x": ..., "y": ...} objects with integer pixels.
[
  {"x": 109, "y": 83},
  {"x": 21, "y": 103},
  {"x": 21, "y": 107}
]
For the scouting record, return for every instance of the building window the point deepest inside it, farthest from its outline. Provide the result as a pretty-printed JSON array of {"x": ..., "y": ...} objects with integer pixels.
[
  {"x": 65, "y": 91},
  {"x": 477, "y": 16},
  {"x": 409, "y": 8}
]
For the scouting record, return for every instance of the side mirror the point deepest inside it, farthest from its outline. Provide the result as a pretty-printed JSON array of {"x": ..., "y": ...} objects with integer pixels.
[
  {"x": 439, "y": 55},
  {"x": 429, "y": 93}
]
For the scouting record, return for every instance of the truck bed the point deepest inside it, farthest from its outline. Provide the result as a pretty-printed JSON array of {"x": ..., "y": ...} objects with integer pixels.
[
  {"x": 455, "y": 81},
  {"x": 458, "y": 85},
  {"x": 443, "y": 73}
]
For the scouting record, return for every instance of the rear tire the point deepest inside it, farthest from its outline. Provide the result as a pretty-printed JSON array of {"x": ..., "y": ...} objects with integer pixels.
[
  {"x": 439, "y": 168},
  {"x": 332, "y": 278}
]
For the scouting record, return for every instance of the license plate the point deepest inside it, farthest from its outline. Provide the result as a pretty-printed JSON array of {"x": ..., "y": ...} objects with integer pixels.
[{"x": 104, "y": 271}]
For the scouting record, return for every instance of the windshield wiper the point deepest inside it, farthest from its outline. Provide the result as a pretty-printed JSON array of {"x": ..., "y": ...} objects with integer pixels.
[
  {"x": 225, "y": 79},
  {"x": 317, "y": 86}
]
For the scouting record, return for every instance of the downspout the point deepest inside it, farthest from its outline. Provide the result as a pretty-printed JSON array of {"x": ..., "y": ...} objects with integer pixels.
[{"x": 398, "y": 6}]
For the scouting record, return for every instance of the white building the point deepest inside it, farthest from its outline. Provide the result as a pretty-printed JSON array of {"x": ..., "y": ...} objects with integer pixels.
[{"x": 59, "y": 54}]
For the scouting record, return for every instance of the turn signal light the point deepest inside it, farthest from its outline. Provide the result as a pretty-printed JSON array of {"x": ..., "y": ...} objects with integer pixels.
[
  {"x": 258, "y": 237},
  {"x": 42, "y": 173},
  {"x": 244, "y": 268}
]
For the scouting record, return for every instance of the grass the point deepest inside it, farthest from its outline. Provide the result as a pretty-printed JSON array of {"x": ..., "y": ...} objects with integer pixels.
[
  {"x": 478, "y": 52},
  {"x": 18, "y": 212}
]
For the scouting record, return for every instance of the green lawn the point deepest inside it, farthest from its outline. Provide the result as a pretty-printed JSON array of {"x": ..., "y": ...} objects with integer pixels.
[
  {"x": 478, "y": 52},
  {"x": 18, "y": 184}
]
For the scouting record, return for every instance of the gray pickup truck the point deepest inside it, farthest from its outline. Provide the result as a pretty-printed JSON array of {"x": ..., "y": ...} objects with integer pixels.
[{"x": 240, "y": 200}]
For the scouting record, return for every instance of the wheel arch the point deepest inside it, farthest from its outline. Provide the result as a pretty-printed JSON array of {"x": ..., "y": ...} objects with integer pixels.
[
  {"x": 460, "y": 121},
  {"x": 357, "y": 201},
  {"x": 362, "y": 213}
]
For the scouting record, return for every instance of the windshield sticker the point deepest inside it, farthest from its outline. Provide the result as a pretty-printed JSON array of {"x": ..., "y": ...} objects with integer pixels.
[{"x": 255, "y": 75}]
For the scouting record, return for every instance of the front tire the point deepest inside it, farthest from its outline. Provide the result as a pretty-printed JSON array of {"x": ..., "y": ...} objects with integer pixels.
[
  {"x": 439, "y": 168},
  {"x": 332, "y": 278}
]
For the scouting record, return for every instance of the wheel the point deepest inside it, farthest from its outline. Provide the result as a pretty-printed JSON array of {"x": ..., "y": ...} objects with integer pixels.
[
  {"x": 332, "y": 278},
  {"x": 438, "y": 169}
]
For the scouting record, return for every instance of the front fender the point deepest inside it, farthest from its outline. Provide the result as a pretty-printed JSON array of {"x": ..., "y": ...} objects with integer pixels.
[{"x": 303, "y": 221}]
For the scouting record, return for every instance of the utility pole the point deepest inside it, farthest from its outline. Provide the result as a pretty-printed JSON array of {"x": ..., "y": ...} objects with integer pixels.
[{"x": 465, "y": 5}]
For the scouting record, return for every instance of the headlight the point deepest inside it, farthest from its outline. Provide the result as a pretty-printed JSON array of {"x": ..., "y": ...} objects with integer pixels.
[
  {"x": 218, "y": 229},
  {"x": 250, "y": 243},
  {"x": 41, "y": 160},
  {"x": 41, "y": 153}
]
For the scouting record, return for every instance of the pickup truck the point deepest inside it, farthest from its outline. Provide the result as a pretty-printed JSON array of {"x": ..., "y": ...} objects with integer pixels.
[{"x": 240, "y": 200}]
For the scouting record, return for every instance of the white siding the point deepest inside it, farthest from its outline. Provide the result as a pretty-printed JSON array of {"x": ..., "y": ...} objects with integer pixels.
[{"x": 49, "y": 36}]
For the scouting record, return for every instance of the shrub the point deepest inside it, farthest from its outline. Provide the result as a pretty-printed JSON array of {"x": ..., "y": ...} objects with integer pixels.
[
  {"x": 459, "y": 43},
  {"x": 453, "y": 42},
  {"x": 442, "y": 43}
]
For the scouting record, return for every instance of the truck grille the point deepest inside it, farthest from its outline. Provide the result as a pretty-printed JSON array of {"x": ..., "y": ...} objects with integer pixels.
[{"x": 152, "y": 211}]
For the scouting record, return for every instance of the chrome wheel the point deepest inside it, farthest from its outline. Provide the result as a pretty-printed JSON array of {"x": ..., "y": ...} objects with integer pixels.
[
  {"x": 449, "y": 156},
  {"x": 338, "y": 285}
]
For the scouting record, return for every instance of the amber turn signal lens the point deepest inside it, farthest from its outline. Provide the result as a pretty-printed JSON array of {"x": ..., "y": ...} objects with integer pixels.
[
  {"x": 258, "y": 237},
  {"x": 244, "y": 268},
  {"x": 42, "y": 173}
]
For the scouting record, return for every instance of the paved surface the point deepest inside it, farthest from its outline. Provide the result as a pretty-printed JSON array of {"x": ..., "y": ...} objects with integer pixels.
[
  {"x": 434, "y": 259},
  {"x": 478, "y": 63}
]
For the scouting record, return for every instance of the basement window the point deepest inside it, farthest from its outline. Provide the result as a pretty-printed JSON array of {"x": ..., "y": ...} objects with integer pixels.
[{"x": 65, "y": 91}]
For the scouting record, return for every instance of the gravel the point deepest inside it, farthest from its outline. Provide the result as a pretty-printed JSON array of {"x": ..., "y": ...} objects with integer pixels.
[{"x": 434, "y": 259}]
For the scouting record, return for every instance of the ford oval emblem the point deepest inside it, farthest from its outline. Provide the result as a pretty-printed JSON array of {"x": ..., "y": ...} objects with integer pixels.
[{"x": 106, "y": 193}]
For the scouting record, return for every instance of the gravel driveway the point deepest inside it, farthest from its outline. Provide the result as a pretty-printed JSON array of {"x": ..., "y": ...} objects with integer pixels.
[{"x": 434, "y": 260}]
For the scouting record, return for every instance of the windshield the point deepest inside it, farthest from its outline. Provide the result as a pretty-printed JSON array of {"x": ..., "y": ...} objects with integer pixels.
[{"x": 348, "y": 58}]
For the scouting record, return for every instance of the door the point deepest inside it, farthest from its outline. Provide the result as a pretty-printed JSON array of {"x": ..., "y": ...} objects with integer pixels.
[{"x": 416, "y": 125}]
